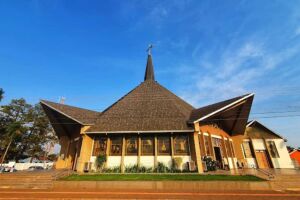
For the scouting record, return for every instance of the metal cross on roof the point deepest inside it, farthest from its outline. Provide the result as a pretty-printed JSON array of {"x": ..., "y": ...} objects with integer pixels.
[{"x": 150, "y": 46}]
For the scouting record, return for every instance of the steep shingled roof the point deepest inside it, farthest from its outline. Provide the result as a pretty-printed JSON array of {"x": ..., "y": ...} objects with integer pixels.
[
  {"x": 151, "y": 107},
  {"x": 254, "y": 134},
  {"x": 81, "y": 115},
  {"x": 148, "y": 107},
  {"x": 203, "y": 111}
]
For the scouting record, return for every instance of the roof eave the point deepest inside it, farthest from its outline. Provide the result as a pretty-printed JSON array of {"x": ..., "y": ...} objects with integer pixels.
[
  {"x": 253, "y": 121},
  {"x": 84, "y": 124},
  {"x": 223, "y": 108}
]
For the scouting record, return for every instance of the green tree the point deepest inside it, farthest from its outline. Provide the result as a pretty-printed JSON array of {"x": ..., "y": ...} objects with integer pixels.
[
  {"x": 13, "y": 118},
  {"x": 1, "y": 94},
  {"x": 39, "y": 133},
  {"x": 24, "y": 130}
]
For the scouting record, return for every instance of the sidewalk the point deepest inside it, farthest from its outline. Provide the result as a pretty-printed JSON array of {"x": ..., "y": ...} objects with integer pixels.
[
  {"x": 285, "y": 180},
  {"x": 174, "y": 186}
]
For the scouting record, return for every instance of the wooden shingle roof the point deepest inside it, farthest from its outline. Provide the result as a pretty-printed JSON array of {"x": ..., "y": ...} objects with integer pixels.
[
  {"x": 148, "y": 107},
  {"x": 263, "y": 132},
  {"x": 203, "y": 111},
  {"x": 82, "y": 116},
  {"x": 151, "y": 107}
]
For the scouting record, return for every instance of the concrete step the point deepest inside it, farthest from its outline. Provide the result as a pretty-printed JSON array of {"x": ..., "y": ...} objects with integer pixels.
[
  {"x": 26, "y": 186},
  {"x": 23, "y": 178}
]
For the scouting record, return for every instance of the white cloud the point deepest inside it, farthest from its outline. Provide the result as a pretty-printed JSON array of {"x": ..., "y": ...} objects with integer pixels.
[{"x": 235, "y": 72}]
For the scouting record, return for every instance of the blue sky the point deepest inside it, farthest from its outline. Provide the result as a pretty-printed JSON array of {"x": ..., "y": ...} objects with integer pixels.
[{"x": 93, "y": 52}]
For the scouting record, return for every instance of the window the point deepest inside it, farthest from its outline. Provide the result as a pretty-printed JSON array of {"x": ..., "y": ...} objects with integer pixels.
[
  {"x": 99, "y": 146},
  {"x": 272, "y": 149},
  {"x": 164, "y": 147},
  {"x": 247, "y": 150},
  {"x": 216, "y": 142},
  {"x": 147, "y": 146},
  {"x": 229, "y": 152},
  {"x": 232, "y": 149},
  {"x": 206, "y": 143},
  {"x": 131, "y": 146},
  {"x": 116, "y": 146},
  {"x": 181, "y": 145}
]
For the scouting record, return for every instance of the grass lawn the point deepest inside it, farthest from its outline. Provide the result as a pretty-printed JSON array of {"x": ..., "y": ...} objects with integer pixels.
[{"x": 159, "y": 177}]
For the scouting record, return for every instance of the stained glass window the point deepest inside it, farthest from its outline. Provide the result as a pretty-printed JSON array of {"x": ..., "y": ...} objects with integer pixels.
[
  {"x": 181, "y": 145},
  {"x": 99, "y": 145},
  {"x": 164, "y": 146},
  {"x": 131, "y": 146},
  {"x": 116, "y": 146},
  {"x": 147, "y": 146}
]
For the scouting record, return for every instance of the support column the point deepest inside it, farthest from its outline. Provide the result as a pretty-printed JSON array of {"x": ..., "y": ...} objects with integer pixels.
[
  {"x": 253, "y": 152},
  {"x": 155, "y": 151},
  {"x": 85, "y": 152},
  {"x": 268, "y": 154},
  {"x": 67, "y": 156},
  {"x": 139, "y": 151},
  {"x": 172, "y": 147},
  {"x": 225, "y": 150},
  {"x": 195, "y": 152},
  {"x": 233, "y": 153},
  {"x": 202, "y": 143},
  {"x": 123, "y": 154},
  {"x": 76, "y": 155},
  {"x": 211, "y": 146},
  {"x": 107, "y": 151}
]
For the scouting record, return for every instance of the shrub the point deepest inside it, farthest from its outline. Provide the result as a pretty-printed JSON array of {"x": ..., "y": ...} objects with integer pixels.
[
  {"x": 210, "y": 164},
  {"x": 162, "y": 168},
  {"x": 149, "y": 169},
  {"x": 131, "y": 169},
  {"x": 116, "y": 169},
  {"x": 100, "y": 160},
  {"x": 144, "y": 169}
]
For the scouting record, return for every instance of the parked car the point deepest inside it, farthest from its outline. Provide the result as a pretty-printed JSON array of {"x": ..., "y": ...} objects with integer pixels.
[
  {"x": 2, "y": 169},
  {"x": 7, "y": 169},
  {"x": 35, "y": 168}
]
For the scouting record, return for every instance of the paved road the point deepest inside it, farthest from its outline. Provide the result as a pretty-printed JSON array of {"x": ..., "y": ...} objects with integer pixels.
[{"x": 245, "y": 195}]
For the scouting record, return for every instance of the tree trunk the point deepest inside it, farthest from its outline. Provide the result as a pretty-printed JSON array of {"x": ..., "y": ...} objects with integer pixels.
[{"x": 3, "y": 158}]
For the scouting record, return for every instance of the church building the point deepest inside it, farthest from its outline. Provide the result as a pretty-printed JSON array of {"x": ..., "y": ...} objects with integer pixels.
[{"x": 151, "y": 125}]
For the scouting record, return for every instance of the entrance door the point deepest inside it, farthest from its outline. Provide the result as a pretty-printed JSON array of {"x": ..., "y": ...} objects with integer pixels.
[
  {"x": 262, "y": 159},
  {"x": 218, "y": 156}
]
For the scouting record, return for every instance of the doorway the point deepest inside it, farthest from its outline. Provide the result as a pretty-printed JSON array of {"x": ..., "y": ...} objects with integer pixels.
[
  {"x": 218, "y": 157},
  {"x": 262, "y": 159}
]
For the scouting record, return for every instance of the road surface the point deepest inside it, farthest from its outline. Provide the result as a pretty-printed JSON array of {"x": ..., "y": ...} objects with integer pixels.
[{"x": 240, "y": 195}]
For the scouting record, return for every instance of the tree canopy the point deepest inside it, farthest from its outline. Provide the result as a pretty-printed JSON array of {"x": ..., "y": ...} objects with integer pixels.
[
  {"x": 24, "y": 130},
  {"x": 1, "y": 94}
]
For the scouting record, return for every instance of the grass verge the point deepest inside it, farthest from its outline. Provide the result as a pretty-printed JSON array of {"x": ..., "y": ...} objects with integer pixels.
[{"x": 159, "y": 177}]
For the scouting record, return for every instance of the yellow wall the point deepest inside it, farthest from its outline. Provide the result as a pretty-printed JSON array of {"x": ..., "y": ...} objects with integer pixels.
[
  {"x": 63, "y": 162},
  {"x": 86, "y": 150}
]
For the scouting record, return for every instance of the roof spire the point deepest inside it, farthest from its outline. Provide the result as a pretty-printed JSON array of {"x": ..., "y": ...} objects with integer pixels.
[{"x": 149, "y": 73}]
